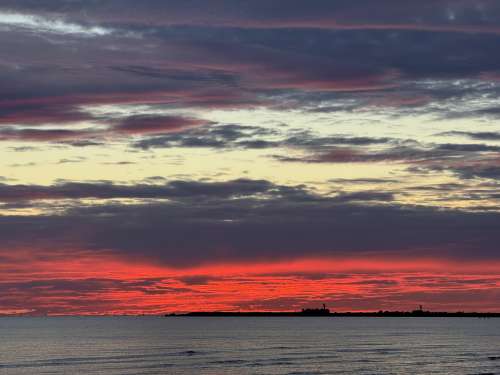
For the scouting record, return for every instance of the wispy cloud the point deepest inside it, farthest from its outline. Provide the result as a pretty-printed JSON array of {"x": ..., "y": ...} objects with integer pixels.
[{"x": 54, "y": 25}]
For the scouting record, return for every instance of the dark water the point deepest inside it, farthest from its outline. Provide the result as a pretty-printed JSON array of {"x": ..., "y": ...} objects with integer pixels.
[{"x": 149, "y": 345}]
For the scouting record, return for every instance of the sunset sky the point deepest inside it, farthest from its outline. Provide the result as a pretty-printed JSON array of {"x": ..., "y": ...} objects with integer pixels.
[{"x": 186, "y": 155}]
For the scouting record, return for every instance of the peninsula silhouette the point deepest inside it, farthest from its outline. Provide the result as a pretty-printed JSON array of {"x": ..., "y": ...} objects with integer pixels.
[{"x": 325, "y": 312}]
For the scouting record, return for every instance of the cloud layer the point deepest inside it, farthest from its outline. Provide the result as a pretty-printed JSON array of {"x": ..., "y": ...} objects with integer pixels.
[{"x": 197, "y": 136}]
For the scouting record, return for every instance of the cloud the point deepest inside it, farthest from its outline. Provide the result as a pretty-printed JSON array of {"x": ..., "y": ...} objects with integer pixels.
[
  {"x": 193, "y": 67},
  {"x": 234, "y": 136},
  {"x": 107, "y": 190},
  {"x": 40, "y": 24},
  {"x": 79, "y": 287},
  {"x": 468, "y": 147},
  {"x": 479, "y": 136},
  {"x": 401, "y": 154},
  {"x": 433, "y": 155},
  {"x": 246, "y": 220},
  {"x": 188, "y": 292},
  {"x": 87, "y": 295},
  {"x": 437, "y": 16},
  {"x": 215, "y": 136},
  {"x": 333, "y": 82},
  {"x": 43, "y": 135},
  {"x": 52, "y": 80},
  {"x": 365, "y": 196},
  {"x": 132, "y": 125},
  {"x": 143, "y": 124},
  {"x": 39, "y": 113},
  {"x": 478, "y": 167},
  {"x": 478, "y": 171}
]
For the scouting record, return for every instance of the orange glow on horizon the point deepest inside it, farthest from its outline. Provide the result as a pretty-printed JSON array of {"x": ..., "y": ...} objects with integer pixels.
[{"x": 106, "y": 284}]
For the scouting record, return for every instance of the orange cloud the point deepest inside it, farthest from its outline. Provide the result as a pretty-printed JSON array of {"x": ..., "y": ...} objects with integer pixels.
[{"x": 104, "y": 284}]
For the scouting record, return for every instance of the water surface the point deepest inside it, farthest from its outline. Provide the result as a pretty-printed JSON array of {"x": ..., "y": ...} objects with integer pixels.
[{"x": 271, "y": 346}]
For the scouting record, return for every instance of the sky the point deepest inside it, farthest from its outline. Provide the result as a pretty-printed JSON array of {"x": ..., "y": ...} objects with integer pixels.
[{"x": 188, "y": 155}]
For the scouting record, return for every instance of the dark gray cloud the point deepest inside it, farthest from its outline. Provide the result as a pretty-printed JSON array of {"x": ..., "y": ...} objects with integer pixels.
[
  {"x": 364, "y": 196},
  {"x": 143, "y": 124},
  {"x": 363, "y": 181},
  {"x": 321, "y": 149},
  {"x": 308, "y": 140},
  {"x": 482, "y": 168},
  {"x": 253, "y": 137},
  {"x": 49, "y": 79},
  {"x": 437, "y": 15},
  {"x": 109, "y": 190},
  {"x": 235, "y": 226},
  {"x": 468, "y": 147},
  {"x": 192, "y": 55},
  {"x": 478, "y": 171},
  {"x": 220, "y": 136},
  {"x": 399, "y": 154},
  {"x": 434, "y": 155},
  {"x": 480, "y": 136},
  {"x": 39, "y": 113},
  {"x": 132, "y": 125},
  {"x": 44, "y": 135}
]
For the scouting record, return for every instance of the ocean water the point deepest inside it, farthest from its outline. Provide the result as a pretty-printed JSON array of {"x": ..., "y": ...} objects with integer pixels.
[{"x": 217, "y": 346}]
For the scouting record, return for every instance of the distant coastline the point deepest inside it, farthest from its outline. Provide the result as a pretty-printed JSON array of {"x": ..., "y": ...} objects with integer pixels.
[
  {"x": 324, "y": 312},
  {"x": 339, "y": 314}
]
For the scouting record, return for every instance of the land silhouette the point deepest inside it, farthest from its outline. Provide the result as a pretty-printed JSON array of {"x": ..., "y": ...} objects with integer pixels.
[{"x": 324, "y": 311}]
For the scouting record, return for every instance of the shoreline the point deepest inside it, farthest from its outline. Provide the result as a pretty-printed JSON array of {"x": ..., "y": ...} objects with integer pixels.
[{"x": 380, "y": 314}]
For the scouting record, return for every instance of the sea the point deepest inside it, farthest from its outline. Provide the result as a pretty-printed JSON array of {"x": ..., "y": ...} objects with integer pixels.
[{"x": 246, "y": 345}]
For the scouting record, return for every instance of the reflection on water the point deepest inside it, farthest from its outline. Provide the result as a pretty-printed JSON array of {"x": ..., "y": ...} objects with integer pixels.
[{"x": 293, "y": 346}]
